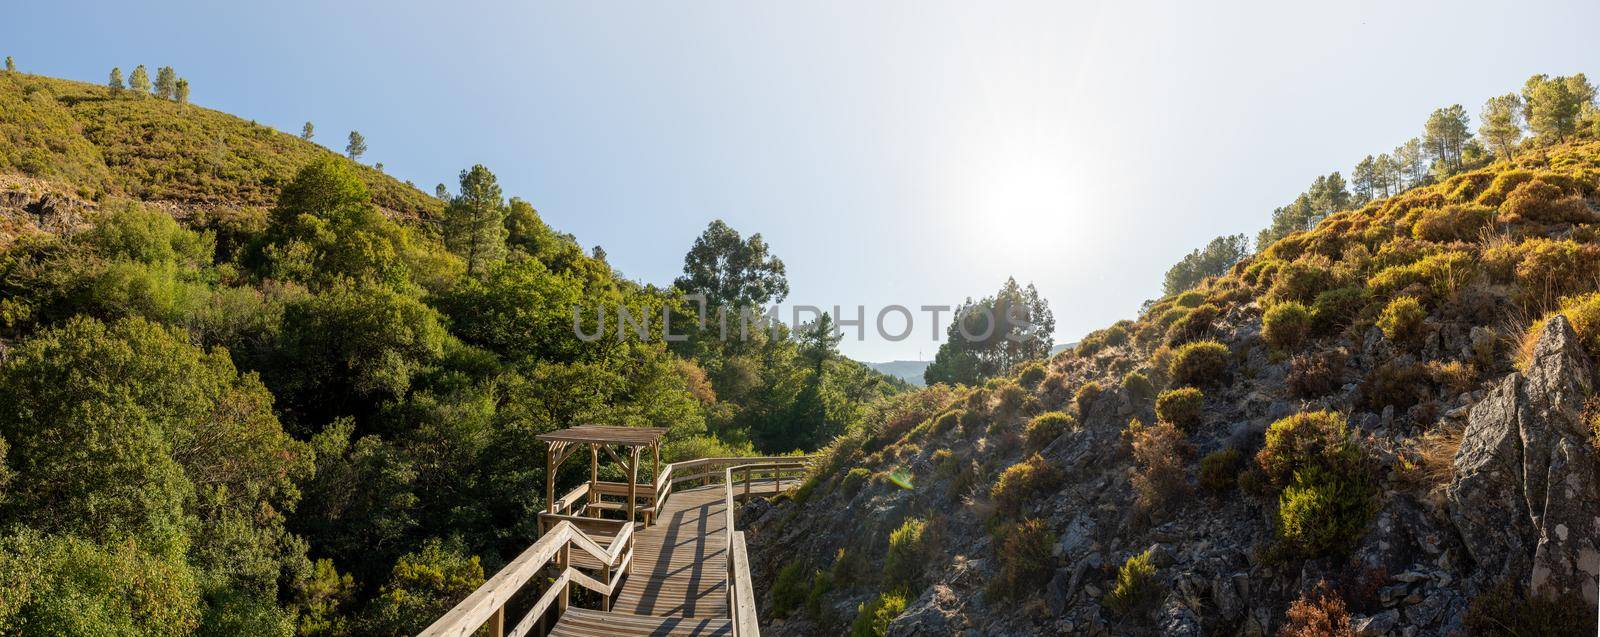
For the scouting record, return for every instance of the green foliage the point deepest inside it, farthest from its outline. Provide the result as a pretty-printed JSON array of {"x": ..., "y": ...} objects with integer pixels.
[
  {"x": 1308, "y": 439},
  {"x": 1137, "y": 590},
  {"x": 853, "y": 480},
  {"x": 1455, "y": 222},
  {"x": 1086, "y": 395},
  {"x": 731, "y": 272},
  {"x": 987, "y": 338},
  {"x": 873, "y": 618},
  {"x": 1401, "y": 319},
  {"x": 1212, "y": 260},
  {"x": 1199, "y": 363},
  {"x": 1219, "y": 470},
  {"x": 356, "y": 146},
  {"x": 1286, "y": 324},
  {"x": 1504, "y": 611},
  {"x": 789, "y": 589},
  {"x": 1138, "y": 386},
  {"x": 1319, "y": 512},
  {"x": 907, "y": 555},
  {"x": 68, "y": 585},
  {"x": 1032, "y": 374},
  {"x": 423, "y": 585},
  {"x": 1046, "y": 427},
  {"x": 1335, "y": 308},
  {"x": 1021, "y": 484},
  {"x": 475, "y": 221},
  {"x": 1184, "y": 407},
  {"x": 1024, "y": 550}
]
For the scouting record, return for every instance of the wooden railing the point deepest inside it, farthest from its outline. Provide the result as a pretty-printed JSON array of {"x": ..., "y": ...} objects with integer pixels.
[{"x": 569, "y": 527}]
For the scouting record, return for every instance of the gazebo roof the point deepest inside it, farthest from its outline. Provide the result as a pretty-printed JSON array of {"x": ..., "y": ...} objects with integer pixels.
[{"x": 607, "y": 435}]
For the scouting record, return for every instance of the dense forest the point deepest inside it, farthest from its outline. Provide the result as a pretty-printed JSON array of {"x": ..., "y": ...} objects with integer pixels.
[{"x": 249, "y": 386}]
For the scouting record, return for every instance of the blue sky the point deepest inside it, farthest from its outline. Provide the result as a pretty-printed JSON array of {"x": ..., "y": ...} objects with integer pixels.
[{"x": 890, "y": 152}]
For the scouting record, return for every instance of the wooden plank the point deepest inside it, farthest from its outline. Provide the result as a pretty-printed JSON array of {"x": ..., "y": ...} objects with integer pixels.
[
  {"x": 580, "y": 622},
  {"x": 744, "y": 603}
]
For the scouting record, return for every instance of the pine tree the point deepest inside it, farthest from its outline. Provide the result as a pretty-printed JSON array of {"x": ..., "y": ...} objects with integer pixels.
[
  {"x": 166, "y": 83},
  {"x": 139, "y": 81},
  {"x": 11, "y": 67},
  {"x": 1446, "y": 133},
  {"x": 116, "y": 80},
  {"x": 357, "y": 146},
  {"x": 307, "y": 132},
  {"x": 441, "y": 192},
  {"x": 474, "y": 222},
  {"x": 183, "y": 91},
  {"x": 1552, "y": 107},
  {"x": 378, "y": 167},
  {"x": 1501, "y": 127},
  {"x": 1364, "y": 179}
]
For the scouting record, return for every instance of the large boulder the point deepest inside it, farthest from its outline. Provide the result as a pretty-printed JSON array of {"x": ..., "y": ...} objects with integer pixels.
[{"x": 1525, "y": 494}]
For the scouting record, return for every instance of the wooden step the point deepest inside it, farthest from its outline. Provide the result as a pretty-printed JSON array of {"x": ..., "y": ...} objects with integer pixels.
[{"x": 582, "y": 622}]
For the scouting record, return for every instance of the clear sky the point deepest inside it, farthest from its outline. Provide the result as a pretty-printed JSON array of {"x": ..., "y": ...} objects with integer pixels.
[{"x": 912, "y": 152}]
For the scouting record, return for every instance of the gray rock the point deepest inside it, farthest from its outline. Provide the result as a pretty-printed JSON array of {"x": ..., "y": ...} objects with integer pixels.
[
  {"x": 1524, "y": 495},
  {"x": 1376, "y": 625}
]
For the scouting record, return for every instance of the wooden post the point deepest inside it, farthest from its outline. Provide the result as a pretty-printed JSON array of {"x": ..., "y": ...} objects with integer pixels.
[
  {"x": 594, "y": 474},
  {"x": 566, "y": 589},
  {"x": 633, "y": 483},
  {"x": 747, "y": 483},
  {"x": 605, "y": 578},
  {"x": 497, "y": 624},
  {"x": 550, "y": 477}
]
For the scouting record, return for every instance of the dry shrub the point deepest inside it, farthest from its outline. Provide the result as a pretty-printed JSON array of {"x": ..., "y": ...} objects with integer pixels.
[
  {"x": 1548, "y": 269},
  {"x": 1219, "y": 470},
  {"x": 1199, "y": 363},
  {"x": 1398, "y": 383},
  {"x": 1401, "y": 320},
  {"x": 1159, "y": 454},
  {"x": 1023, "y": 483},
  {"x": 1026, "y": 559},
  {"x": 1316, "y": 374},
  {"x": 1582, "y": 312},
  {"x": 1318, "y": 613},
  {"x": 1539, "y": 201},
  {"x": 1506, "y": 611},
  {"x": 1455, "y": 222},
  {"x": 1455, "y": 377},
  {"x": 1502, "y": 185},
  {"x": 1431, "y": 461}
]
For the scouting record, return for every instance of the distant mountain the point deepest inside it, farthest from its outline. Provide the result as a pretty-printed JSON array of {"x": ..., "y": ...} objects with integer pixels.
[
  {"x": 1062, "y": 347},
  {"x": 909, "y": 371}
]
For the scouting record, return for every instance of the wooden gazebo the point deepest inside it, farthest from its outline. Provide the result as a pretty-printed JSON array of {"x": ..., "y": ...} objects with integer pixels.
[{"x": 631, "y": 441}]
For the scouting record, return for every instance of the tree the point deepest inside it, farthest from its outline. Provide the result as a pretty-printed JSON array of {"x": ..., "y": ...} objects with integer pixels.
[
  {"x": 1331, "y": 196},
  {"x": 357, "y": 146},
  {"x": 1212, "y": 260},
  {"x": 1553, "y": 106},
  {"x": 378, "y": 167},
  {"x": 731, "y": 272},
  {"x": 1364, "y": 179},
  {"x": 139, "y": 81},
  {"x": 993, "y": 335},
  {"x": 1385, "y": 175},
  {"x": 325, "y": 229},
  {"x": 183, "y": 91},
  {"x": 166, "y": 83},
  {"x": 441, "y": 192},
  {"x": 422, "y": 587},
  {"x": 11, "y": 67},
  {"x": 1501, "y": 127},
  {"x": 115, "y": 83},
  {"x": 1412, "y": 163},
  {"x": 1445, "y": 133},
  {"x": 308, "y": 131},
  {"x": 474, "y": 222}
]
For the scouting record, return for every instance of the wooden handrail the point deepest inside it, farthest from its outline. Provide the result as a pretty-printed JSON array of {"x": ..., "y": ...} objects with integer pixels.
[{"x": 741, "y": 590}]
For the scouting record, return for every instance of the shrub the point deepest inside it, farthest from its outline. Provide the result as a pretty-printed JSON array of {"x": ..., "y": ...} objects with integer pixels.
[
  {"x": 873, "y": 618},
  {"x": 948, "y": 420},
  {"x": 903, "y": 563},
  {"x": 1308, "y": 439},
  {"x": 1189, "y": 299},
  {"x": 1455, "y": 377},
  {"x": 1455, "y": 222},
  {"x": 1439, "y": 275},
  {"x": 1542, "y": 202},
  {"x": 1086, "y": 395},
  {"x": 1503, "y": 184},
  {"x": 821, "y": 583},
  {"x": 1012, "y": 398},
  {"x": 1318, "y": 613},
  {"x": 1583, "y": 312},
  {"x": 1322, "y": 512},
  {"x": 1546, "y": 270},
  {"x": 1199, "y": 363},
  {"x": 1046, "y": 427},
  {"x": 789, "y": 590},
  {"x": 1021, "y": 484},
  {"x": 1398, "y": 383},
  {"x": 1335, "y": 308},
  {"x": 1503, "y": 610},
  {"x": 1219, "y": 470},
  {"x": 1183, "y": 407},
  {"x": 1137, "y": 590},
  {"x": 1193, "y": 324},
  {"x": 1316, "y": 374},
  {"x": 1138, "y": 386},
  {"x": 1159, "y": 452},
  {"x": 1031, "y": 375},
  {"x": 1402, "y": 319},
  {"x": 853, "y": 480},
  {"x": 847, "y": 566},
  {"x": 1026, "y": 558},
  {"x": 1286, "y": 324},
  {"x": 1300, "y": 280}
]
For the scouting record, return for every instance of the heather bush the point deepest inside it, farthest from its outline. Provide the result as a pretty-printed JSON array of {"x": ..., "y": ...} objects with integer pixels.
[
  {"x": 1199, "y": 363},
  {"x": 873, "y": 618},
  {"x": 1321, "y": 512},
  {"x": 1182, "y": 407},
  {"x": 1503, "y": 184},
  {"x": 1307, "y": 439},
  {"x": 1439, "y": 275},
  {"x": 1137, "y": 590},
  {"x": 1286, "y": 324},
  {"x": 1189, "y": 299},
  {"x": 903, "y": 563},
  {"x": 1538, "y": 201},
  {"x": 948, "y": 420},
  {"x": 1086, "y": 395},
  {"x": 789, "y": 590},
  {"x": 853, "y": 480},
  {"x": 1455, "y": 222},
  {"x": 1301, "y": 280},
  {"x": 1219, "y": 470},
  {"x": 1506, "y": 611},
  {"x": 1318, "y": 613},
  {"x": 1545, "y": 270},
  {"x": 1021, "y": 484},
  {"x": 1032, "y": 374},
  {"x": 1138, "y": 386},
  {"x": 1193, "y": 324},
  {"x": 1045, "y": 428},
  {"x": 1397, "y": 383},
  {"x": 1335, "y": 308},
  {"x": 1159, "y": 452},
  {"x": 1024, "y": 551},
  {"x": 1401, "y": 319},
  {"x": 1316, "y": 374}
]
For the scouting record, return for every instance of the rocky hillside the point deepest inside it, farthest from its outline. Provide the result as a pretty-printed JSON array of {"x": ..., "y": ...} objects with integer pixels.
[{"x": 1380, "y": 426}]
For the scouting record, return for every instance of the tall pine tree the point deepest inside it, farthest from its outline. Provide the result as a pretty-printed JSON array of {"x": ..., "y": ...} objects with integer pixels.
[
  {"x": 139, "y": 81},
  {"x": 357, "y": 146},
  {"x": 115, "y": 83},
  {"x": 166, "y": 83},
  {"x": 474, "y": 222}
]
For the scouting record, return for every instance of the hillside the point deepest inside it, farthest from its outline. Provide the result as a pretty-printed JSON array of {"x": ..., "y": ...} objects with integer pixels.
[
  {"x": 909, "y": 371},
  {"x": 252, "y": 387},
  {"x": 1379, "y": 426}
]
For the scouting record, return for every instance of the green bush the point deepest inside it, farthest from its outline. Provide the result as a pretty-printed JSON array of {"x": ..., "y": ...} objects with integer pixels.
[
  {"x": 1183, "y": 407},
  {"x": 1402, "y": 319},
  {"x": 1021, "y": 484},
  {"x": 1335, "y": 308},
  {"x": 1086, "y": 395},
  {"x": 1194, "y": 323},
  {"x": 853, "y": 480},
  {"x": 1189, "y": 299},
  {"x": 1046, "y": 427},
  {"x": 1455, "y": 222},
  {"x": 1199, "y": 363},
  {"x": 1219, "y": 470},
  {"x": 948, "y": 420},
  {"x": 789, "y": 590},
  {"x": 1024, "y": 551},
  {"x": 1138, "y": 386},
  {"x": 1286, "y": 324},
  {"x": 1308, "y": 439},
  {"x": 1031, "y": 375},
  {"x": 1322, "y": 512},
  {"x": 902, "y": 565},
  {"x": 1137, "y": 590},
  {"x": 872, "y": 619}
]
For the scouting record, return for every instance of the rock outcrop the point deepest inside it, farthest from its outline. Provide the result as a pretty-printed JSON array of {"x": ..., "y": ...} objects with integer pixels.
[{"x": 1525, "y": 495}]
